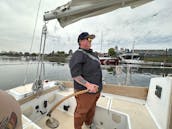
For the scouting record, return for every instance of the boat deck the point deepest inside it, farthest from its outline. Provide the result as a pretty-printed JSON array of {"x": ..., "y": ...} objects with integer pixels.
[
  {"x": 125, "y": 103},
  {"x": 137, "y": 112},
  {"x": 139, "y": 115}
]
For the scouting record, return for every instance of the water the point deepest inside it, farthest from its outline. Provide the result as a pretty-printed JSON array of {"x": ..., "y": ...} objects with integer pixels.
[{"x": 13, "y": 73}]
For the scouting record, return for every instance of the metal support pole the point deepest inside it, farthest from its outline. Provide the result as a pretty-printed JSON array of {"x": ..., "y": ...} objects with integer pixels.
[{"x": 38, "y": 84}]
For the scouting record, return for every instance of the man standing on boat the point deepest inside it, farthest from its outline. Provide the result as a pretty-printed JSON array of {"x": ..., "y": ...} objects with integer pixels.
[{"x": 86, "y": 72}]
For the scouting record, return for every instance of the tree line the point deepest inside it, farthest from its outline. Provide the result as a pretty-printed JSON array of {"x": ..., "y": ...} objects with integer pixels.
[{"x": 25, "y": 54}]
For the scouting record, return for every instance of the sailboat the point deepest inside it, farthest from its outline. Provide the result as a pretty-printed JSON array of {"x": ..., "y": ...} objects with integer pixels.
[{"x": 51, "y": 104}]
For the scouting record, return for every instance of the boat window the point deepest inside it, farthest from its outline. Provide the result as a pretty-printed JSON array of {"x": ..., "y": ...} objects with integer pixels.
[{"x": 127, "y": 57}]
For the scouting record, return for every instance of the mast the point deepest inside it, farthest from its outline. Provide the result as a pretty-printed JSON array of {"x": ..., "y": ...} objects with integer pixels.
[
  {"x": 38, "y": 84},
  {"x": 133, "y": 50}
]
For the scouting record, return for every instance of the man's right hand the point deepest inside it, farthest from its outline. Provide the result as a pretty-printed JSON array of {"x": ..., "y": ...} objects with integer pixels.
[{"x": 91, "y": 87}]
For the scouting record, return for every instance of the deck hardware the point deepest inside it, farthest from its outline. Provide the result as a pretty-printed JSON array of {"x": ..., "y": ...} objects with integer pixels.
[
  {"x": 158, "y": 91},
  {"x": 37, "y": 108},
  {"x": 45, "y": 103},
  {"x": 52, "y": 123},
  {"x": 101, "y": 123},
  {"x": 66, "y": 107},
  {"x": 42, "y": 113}
]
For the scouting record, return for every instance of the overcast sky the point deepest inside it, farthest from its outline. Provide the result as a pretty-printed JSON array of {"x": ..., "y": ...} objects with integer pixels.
[{"x": 148, "y": 27}]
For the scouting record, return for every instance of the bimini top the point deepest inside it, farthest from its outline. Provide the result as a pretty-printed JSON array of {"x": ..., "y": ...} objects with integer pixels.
[{"x": 76, "y": 10}]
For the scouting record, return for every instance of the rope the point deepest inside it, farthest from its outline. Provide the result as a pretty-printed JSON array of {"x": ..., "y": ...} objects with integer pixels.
[{"x": 33, "y": 36}]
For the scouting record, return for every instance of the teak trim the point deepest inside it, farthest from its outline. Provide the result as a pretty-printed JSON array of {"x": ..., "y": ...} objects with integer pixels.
[{"x": 129, "y": 91}]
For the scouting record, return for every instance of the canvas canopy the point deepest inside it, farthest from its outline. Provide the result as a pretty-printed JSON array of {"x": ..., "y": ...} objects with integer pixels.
[{"x": 76, "y": 10}]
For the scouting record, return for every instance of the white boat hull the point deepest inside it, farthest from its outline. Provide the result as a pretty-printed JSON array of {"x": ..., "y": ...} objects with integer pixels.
[{"x": 112, "y": 111}]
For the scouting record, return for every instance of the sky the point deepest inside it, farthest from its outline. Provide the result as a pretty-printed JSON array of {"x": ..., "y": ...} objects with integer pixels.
[{"x": 146, "y": 27}]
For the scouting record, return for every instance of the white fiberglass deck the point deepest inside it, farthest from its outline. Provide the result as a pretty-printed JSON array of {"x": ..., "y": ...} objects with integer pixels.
[
  {"x": 113, "y": 111},
  {"x": 136, "y": 115}
]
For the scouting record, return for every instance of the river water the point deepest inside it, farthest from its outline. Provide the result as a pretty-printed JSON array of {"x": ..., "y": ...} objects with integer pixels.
[{"x": 15, "y": 73}]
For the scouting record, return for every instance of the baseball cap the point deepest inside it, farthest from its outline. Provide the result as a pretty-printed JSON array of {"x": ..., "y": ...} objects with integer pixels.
[
  {"x": 10, "y": 112},
  {"x": 85, "y": 35}
]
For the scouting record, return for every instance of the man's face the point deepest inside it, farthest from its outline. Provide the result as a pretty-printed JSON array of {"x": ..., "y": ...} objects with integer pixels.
[{"x": 85, "y": 43}]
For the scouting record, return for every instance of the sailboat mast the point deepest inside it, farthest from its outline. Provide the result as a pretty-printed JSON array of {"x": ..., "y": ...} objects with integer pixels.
[
  {"x": 133, "y": 49},
  {"x": 101, "y": 41}
]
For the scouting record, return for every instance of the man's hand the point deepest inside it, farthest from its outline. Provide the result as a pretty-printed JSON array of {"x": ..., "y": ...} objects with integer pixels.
[{"x": 92, "y": 87}]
